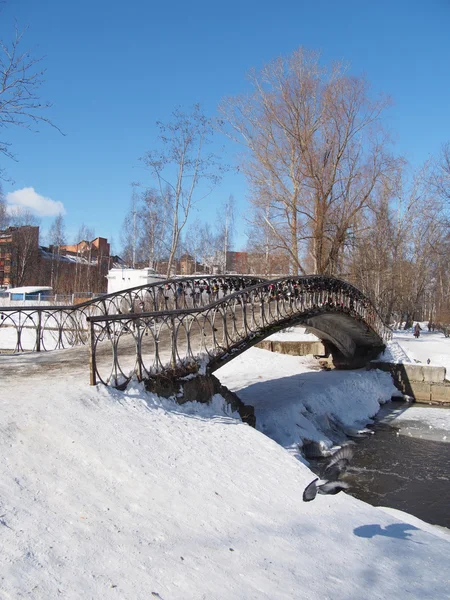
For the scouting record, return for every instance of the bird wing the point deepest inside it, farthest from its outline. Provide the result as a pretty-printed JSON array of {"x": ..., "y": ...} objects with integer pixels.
[
  {"x": 310, "y": 491},
  {"x": 339, "y": 463},
  {"x": 332, "y": 487}
]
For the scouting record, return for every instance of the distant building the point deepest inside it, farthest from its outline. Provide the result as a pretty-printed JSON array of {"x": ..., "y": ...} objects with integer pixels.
[
  {"x": 67, "y": 269},
  {"x": 123, "y": 278},
  {"x": 187, "y": 265},
  {"x": 254, "y": 263},
  {"x": 97, "y": 251},
  {"x": 34, "y": 293},
  {"x": 237, "y": 262}
]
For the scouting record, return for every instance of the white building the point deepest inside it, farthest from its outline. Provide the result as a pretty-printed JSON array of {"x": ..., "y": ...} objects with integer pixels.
[{"x": 124, "y": 278}]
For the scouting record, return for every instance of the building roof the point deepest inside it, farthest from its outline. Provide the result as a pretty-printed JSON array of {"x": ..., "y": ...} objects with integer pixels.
[{"x": 29, "y": 289}]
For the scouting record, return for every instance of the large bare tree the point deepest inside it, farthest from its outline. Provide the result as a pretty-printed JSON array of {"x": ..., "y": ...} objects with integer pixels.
[
  {"x": 183, "y": 169},
  {"x": 314, "y": 153}
]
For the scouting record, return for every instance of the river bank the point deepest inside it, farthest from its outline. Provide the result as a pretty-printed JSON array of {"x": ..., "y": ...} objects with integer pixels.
[{"x": 405, "y": 465}]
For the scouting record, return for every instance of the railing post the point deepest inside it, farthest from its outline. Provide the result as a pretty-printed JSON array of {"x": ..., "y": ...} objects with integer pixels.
[
  {"x": 173, "y": 360},
  {"x": 38, "y": 332},
  {"x": 138, "y": 350},
  {"x": 92, "y": 363}
]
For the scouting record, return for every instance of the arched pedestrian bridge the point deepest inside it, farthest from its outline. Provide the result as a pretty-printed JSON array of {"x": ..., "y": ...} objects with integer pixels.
[
  {"x": 334, "y": 310},
  {"x": 170, "y": 325}
]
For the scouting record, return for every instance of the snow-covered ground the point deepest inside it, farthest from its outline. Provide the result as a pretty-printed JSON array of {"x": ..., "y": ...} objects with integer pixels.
[
  {"x": 107, "y": 494},
  {"x": 296, "y": 403},
  {"x": 433, "y": 346}
]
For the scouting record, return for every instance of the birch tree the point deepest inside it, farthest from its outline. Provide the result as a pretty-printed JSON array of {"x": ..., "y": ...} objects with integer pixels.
[
  {"x": 225, "y": 221},
  {"x": 154, "y": 224},
  {"x": 83, "y": 266},
  {"x": 183, "y": 170},
  {"x": 194, "y": 242},
  {"x": 441, "y": 175}
]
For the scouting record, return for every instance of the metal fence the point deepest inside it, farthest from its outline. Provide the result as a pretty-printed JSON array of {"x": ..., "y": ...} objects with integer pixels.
[{"x": 40, "y": 328}]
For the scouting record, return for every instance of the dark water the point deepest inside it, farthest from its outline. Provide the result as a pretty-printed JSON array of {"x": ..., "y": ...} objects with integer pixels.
[
  {"x": 392, "y": 468},
  {"x": 402, "y": 472}
]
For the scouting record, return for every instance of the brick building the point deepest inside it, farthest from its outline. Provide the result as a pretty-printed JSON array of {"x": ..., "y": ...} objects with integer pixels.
[
  {"x": 19, "y": 255},
  {"x": 68, "y": 269},
  {"x": 253, "y": 263},
  {"x": 97, "y": 251}
]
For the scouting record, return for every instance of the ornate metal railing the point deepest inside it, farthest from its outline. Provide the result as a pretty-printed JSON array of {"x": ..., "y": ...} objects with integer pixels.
[
  {"x": 42, "y": 328},
  {"x": 148, "y": 343}
]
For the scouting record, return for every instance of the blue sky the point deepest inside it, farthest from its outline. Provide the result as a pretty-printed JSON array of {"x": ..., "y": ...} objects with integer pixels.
[{"x": 115, "y": 68}]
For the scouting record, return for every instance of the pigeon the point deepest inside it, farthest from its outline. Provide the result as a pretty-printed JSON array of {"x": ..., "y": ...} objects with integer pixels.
[{"x": 330, "y": 484}]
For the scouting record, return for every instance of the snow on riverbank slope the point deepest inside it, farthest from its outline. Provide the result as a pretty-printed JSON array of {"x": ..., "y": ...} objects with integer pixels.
[
  {"x": 107, "y": 494},
  {"x": 294, "y": 403}
]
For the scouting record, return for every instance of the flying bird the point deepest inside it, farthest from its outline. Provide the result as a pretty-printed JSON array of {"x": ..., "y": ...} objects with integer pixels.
[{"x": 330, "y": 484}]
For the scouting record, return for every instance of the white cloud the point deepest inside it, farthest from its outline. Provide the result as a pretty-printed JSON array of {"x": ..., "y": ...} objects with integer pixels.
[{"x": 39, "y": 205}]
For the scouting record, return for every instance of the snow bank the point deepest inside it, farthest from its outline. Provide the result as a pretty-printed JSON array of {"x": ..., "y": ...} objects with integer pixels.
[
  {"x": 121, "y": 495},
  {"x": 295, "y": 404},
  {"x": 124, "y": 495}
]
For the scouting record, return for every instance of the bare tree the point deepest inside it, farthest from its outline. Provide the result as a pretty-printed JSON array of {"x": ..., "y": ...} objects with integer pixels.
[
  {"x": 314, "y": 154},
  {"x": 126, "y": 238},
  {"x": 441, "y": 176},
  {"x": 262, "y": 244},
  {"x": 225, "y": 230},
  {"x": 144, "y": 234},
  {"x": 207, "y": 241},
  {"x": 57, "y": 238},
  {"x": 20, "y": 216},
  {"x": 21, "y": 77},
  {"x": 4, "y": 217},
  {"x": 83, "y": 266},
  {"x": 400, "y": 251},
  {"x": 25, "y": 247},
  {"x": 193, "y": 241},
  {"x": 84, "y": 233},
  {"x": 153, "y": 218},
  {"x": 180, "y": 166},
  {"x": 131, "y": 229}
]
